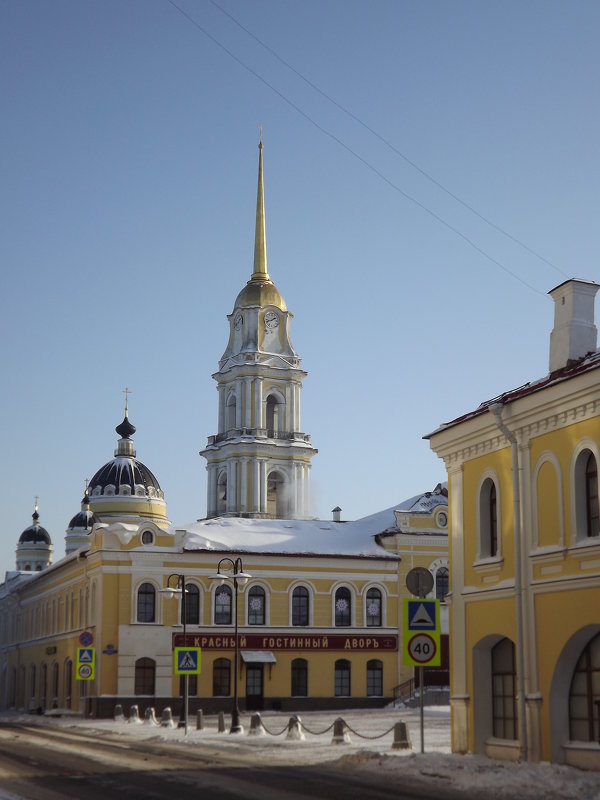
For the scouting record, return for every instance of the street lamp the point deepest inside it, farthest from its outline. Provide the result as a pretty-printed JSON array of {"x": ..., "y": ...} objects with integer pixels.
[
  {"x": 235, "y": 573},
  {"x": 170, "y": 592}
]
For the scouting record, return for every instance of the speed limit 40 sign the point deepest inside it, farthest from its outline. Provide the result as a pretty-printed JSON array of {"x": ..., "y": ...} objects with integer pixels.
[{"x": 421, "y": 640}]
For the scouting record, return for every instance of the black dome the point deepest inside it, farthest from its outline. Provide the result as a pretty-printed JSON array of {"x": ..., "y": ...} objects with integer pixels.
[
  {"x": 35, "y": 534},
  {"x": 84, "y": 519},
  {"x": 123, "y": 471}
]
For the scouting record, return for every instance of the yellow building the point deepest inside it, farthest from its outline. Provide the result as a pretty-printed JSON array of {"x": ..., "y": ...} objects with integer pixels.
[
  {"x": 318, "y": 618},
  {"x": 525, "y": 555},
  {"x": 420, "y": 537}
]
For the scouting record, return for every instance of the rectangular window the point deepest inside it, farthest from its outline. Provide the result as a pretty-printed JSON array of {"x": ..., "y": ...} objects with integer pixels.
[
  {"x": 342, "y": 678},
  {"x": 192, "y": 685},
  {"x": 374, "y": 678},
  {"x": 221, "y": 677},
  {"x": 299, "y": 677}
]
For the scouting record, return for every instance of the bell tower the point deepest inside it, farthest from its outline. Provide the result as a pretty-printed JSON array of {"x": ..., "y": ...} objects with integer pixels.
[{"x": 258, "y": 462}]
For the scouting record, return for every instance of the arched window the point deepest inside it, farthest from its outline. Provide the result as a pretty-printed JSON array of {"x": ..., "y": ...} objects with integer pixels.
[
  {"x": 373, "y": 608},
  {"x": 488, "y": 520},
  {"x": 299, "y": 677},
  {"x": 256, "y": 605},
  {"x": 441, "y": 583},
  {"x": 374, "y": 678},
  {"x": 222, "y": 493},
  {"x": 68, "y": 682},
  {"x": 342, "y": 678},
  {"x": 300, "y": 606},
  {"x": 584, "y": 695},
  {"x": 43, "y": 685},
  {"x": 504, "y": 696},
  {"x": 146, "y": 600},
  {"x": 343, "y": 607},
  {"x": 223, "y": 605},
  {"x": 277, "y": 497},
  {"x": 192, "y": 685},
  {"x": 221, "y": 677},
  {"x": 274, "y": 416},
  {"x": 591, "y": 497},
  {"x": 147, "y": 537},
  {"x": 230, "y": 420},
  {"x": 55, "y": 685},
  {"x": 31, "y": 683},
  {"x": 145, "y": 673},
  {"x": 192, "y": 605}
]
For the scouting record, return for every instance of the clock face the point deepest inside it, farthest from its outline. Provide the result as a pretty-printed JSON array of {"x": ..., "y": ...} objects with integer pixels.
[
  {"x": 271, "y": 320},
  {"x": 238, "y": 322},
  {"x": 442, "y": 519}
]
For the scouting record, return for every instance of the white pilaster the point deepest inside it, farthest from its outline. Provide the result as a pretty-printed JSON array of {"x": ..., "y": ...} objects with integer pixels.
[
  {"x": 221, "y": 390},
  {"x": 238, "y": 403},
  {"x": 247, "y": 423}
]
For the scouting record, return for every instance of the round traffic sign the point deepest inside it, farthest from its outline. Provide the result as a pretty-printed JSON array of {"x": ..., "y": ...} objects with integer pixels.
[
  {"x": 422, "y": 648},
  {"x": 86, "y": 638},
  {"x": 419, "y": 581},
  {"x": 85, "y": 670}
]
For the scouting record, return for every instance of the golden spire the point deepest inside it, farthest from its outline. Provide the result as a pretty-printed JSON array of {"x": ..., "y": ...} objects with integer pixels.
[{"x": 260, "y": 236}]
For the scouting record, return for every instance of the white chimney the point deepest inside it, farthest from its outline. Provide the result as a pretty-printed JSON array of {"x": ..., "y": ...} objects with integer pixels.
[
  {"x": 574, "y": 334},
  {"x": 337, "y": 514}
]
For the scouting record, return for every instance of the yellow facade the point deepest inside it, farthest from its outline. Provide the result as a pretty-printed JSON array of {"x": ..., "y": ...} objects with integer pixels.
[{"x": 525, "y": 563}]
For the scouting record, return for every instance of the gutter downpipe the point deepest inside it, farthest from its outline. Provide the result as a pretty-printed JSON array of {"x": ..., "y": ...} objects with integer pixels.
[{"x": 496, "y": 409}]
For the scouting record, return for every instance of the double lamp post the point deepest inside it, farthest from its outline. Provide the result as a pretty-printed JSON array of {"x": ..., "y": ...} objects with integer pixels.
[{"x": 234, "y": 573}]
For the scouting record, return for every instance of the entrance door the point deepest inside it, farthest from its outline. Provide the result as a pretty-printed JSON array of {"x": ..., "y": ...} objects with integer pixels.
[{"x": 254, "y": 687}]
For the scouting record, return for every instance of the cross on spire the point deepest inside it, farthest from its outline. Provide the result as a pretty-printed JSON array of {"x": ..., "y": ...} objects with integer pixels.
[{"x": 126, "y": 392}]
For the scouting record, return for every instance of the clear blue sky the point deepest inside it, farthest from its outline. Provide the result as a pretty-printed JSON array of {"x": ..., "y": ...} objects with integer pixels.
[{"x": 128, "y": 184}]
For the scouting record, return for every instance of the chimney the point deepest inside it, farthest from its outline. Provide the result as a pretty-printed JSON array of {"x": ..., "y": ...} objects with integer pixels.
[
  {"x": 574, "y": 334},
  {"x": 336, "y": 514}
]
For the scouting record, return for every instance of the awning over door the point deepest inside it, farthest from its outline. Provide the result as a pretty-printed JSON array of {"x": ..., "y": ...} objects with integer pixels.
[{"x": 258, "y": 657}]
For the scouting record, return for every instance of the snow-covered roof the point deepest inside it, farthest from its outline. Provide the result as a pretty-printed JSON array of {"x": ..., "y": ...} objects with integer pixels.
[
  {"x": 302, "y": 536},
  {"x": 316, "y": 537}
]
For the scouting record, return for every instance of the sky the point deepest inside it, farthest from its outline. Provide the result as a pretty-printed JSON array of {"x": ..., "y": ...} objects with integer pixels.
[{"x": 431, "y": 172}]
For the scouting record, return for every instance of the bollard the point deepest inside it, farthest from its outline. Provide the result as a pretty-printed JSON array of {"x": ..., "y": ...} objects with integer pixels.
[
  {"x": 340, "y": 734},
  {"x": 401, "y": 737},
  {"x": 256, "y": 726},
  {"x": 199, "y": 720},
  {"x": 167, "y": 718},
  {"x": 118, "y": 715},
  {"x": 134, "y": 715},
  {"x": 294, "y": 729},
  {"x": 150, "y": 717},
  {"x": 221, "y": 727}
]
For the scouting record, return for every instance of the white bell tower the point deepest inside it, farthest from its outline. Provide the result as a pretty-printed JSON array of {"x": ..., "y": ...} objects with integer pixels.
[{"x": 258, "y": 462}]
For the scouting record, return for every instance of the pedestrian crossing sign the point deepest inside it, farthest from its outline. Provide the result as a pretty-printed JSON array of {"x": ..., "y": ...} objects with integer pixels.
[
  {"x": 186, "y": 660},
  {"x": 85, "y": 667}
]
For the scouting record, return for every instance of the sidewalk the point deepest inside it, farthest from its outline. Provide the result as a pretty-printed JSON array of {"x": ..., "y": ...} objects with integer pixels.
[{"x": 366, "y": 749}]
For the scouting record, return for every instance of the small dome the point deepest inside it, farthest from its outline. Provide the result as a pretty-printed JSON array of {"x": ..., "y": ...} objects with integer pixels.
[
  {"x": 83, "y": 520},
  {"x": 35, "y": 533},
  {"x": 260, "y": 293}
]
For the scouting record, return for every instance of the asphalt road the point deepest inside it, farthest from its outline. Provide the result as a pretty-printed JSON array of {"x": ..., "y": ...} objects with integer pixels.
[{"x": 49, "y": 763}]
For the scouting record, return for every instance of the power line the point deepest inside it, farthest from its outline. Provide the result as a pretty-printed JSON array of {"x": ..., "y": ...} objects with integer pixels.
[
  {"x": 352, "y": 152},
  {"x": 386, "y": 142}
]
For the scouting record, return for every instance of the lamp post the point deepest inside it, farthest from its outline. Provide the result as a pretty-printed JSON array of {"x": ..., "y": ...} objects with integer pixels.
[
  {"x": 235, "y": 573},
  {"x": 170, "y": 592}
]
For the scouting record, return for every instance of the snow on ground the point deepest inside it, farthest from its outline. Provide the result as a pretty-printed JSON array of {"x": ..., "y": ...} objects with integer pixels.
[{"x": 474, "y": 776}]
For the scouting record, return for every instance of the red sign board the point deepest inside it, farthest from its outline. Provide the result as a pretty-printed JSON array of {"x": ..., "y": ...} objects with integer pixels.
[{"x": 223, "y": 640}]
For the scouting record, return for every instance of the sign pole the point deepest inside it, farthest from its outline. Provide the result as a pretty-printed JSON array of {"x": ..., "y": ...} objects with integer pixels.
[
  {"x": 421, "y": 707},
  {"x": 421, "y": 632}
]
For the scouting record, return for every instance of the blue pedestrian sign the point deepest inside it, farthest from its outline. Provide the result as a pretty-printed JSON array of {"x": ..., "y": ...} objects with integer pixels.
[{"x": 186, "y": 660}]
